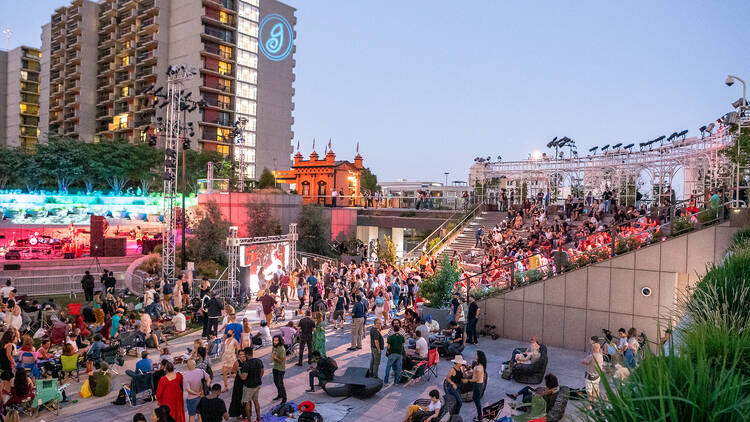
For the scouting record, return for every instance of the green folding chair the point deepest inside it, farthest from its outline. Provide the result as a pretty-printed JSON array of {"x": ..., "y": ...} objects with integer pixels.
[
  {"x": 536, "y": 409},
  {"x": 47, "y": 396}
]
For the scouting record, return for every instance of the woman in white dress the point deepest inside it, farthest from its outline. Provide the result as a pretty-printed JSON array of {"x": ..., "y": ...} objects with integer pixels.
[{"x": 229, "y": 357}]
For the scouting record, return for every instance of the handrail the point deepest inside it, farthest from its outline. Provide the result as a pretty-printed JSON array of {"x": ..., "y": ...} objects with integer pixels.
[
  {"x": 471, "y": 214},
  {"x": 421, "y": 244}
]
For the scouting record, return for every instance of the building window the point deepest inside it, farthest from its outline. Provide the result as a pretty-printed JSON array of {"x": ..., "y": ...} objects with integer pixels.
[
  {"x": 223, "y": 149},
  {"x": 224, "y": 102},
  {"x": 225, "y": 18},
  {"x": 225, "y": 51},
  {"x": 248, "y": 43},
  {"x": 305, "y": 188},
  {"x": 222, "y": 135},
  {"x": 225, "y": 68},
  {"x": 225, "y": 85},
  {"x": 126, "y": 61},
  {"x": 125, "y": 91}
]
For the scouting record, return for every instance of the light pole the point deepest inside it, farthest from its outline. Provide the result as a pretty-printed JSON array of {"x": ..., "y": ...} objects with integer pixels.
[
  {"x": 446, "y": 177},
  {"x": 729, "y": 82}
]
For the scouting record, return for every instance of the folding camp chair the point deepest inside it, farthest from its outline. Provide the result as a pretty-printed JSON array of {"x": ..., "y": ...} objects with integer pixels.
[
  {"x": 433, "y": 357},
  {"x": 216, "y": 349},
  {"x": 70, "y": 366},
  {"x": 74, "y": 309},
  {"x": 27, "y": 360},
  {"x": 47, "y": 396}
]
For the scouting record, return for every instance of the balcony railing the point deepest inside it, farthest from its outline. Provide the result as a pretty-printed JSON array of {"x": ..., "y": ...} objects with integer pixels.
[{"x": 225, "y": 35}]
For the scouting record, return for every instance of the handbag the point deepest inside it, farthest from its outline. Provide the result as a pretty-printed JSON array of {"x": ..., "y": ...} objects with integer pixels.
[{"x": 85, "y": 390}]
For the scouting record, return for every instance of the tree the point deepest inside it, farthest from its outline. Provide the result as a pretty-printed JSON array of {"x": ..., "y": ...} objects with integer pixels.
[
  {"x": 61, "y": 159},
  {"x": 11, "y": 166},
  {"x": 267, "y": 179},
  {"x": 314, "y": 230},
  {"x": 211, "y": 236},
  {"x": 368, "y": 180},
  {"x": 437, "y": 289},
  {"x": 386, "y": 251},
  {"x": 260, "y": 221}
]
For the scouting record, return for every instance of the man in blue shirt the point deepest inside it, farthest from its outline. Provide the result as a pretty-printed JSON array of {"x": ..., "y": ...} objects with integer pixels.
[
  {"x": 144, "y": 365},
  {"x": 359, "y": 311},
  {"x": 312, "y": 281},
  {"x": 235, "y": 326}
]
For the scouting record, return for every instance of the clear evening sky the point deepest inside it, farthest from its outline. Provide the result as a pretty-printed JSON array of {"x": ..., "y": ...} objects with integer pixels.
[{"x": 426, "y": 86}]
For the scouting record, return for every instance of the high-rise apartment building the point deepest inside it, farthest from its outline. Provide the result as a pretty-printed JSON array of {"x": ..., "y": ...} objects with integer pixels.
[
  {"x": 70, "y": 43},
  {"x": 19, "y": 97},
  {"x": 242, "y": 51}
]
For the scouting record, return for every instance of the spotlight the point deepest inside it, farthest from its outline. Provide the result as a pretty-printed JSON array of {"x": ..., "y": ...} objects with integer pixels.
[
  {"x": 594, "y": 149},
  {"x": 628, "y": 146},
  {"x": 152, "y": 140},
  {"x": 730, "y": 80},
  {"x": 186, "y": 144},
  {"x": 615, "y": 146},
  {"x": 659, "y": 139},
  {"x": 643, "y": 144},
  {"x": 702, "y": 128},
  {"x": 552, "y": 143},
  {"x": 739, "y": 103},
  {"x": 730, "y": 118},
  {"x": 499, "y": 158},
  {"x": 605, "y": 147},
  {"x": 682, "y": 134},
  {"x": 710, "y": 127}
]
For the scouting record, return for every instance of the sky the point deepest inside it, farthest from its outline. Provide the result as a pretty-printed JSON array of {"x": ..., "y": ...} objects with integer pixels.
[{"x": 426, "y": 86}]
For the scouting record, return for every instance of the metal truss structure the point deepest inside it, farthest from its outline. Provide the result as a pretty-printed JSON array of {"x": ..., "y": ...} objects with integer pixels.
[
  {"x": 620, "y": 168},
  {"x": 233, "y": 250},
  {"x": 174, "y": 127}
]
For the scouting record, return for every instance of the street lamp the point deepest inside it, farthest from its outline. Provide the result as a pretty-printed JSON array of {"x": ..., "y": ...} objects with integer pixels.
[
  {"x": 729, "y": 82},
  {"x": 446, "y": 177}
]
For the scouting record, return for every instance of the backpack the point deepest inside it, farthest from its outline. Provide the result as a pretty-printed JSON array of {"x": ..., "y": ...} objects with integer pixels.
[
  {"x": 168, "y": 289},
  {"x": 122, "y": 397},
  {"x": 310, "y": 417}
]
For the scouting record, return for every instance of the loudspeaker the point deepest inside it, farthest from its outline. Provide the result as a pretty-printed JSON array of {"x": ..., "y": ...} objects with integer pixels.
[
  {"x": 98, "y": 223},
  {"x": 11, "y": 267},
  {"x": 560, "y": 259},
  {"x": 69, "y": 255},
  {"x": 115, "y": 246}
]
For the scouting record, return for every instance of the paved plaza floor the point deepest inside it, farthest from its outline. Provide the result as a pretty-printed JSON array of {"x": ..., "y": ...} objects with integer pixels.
[{"x": 387, "y": 405}]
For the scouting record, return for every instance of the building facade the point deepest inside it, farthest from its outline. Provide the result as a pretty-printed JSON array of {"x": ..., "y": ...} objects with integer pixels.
[
  {"x": 242, "y": 51},
  {"x": 19, "y": 106},
  {"x": 316, "y": 179}
]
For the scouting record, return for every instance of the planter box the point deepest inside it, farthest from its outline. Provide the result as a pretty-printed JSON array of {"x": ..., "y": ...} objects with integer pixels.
[
  {"x": 739, "y": 217},
  {"x": 442, "y": 316}
]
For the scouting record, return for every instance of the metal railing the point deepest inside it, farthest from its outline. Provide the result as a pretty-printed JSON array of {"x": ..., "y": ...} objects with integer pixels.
[
  {"x": 401, "y": 202},
  {"x": 55, "y": 285}
]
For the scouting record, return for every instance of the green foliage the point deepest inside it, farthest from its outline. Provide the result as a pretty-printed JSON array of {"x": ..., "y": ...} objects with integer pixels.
[
  {"x": 368, "y": 181},
  {"x": 486, "y": 293},
  {"x": 314, "y": 231},
  {"x": 723, "y": 294},
  {"x": 437, "y": 289},
  {"x": 260, "y": 221},
  {"x": 209, "y": 269},
  {"x": 266, "y": 180},
  {"x": 152, "y": 263},
  {"x": 432, "y": 244},
  {"x": 741, "y": 238},
  {"x": 386, "y": 251},
  {"x": 681, "y": 225},
  {"x": 210, "y": 236},
  {"x": 708, "y": 216}
]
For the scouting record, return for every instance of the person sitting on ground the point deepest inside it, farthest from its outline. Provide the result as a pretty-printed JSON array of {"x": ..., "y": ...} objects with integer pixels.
[
  {"x": 419, "y": 353},
  {"x": 22, "y": 389},
  {"x": 265, "y": 333},
  {"x": 324, "y": 370},
  {"x": 101, "y": 380},
  {"x": 144, "y": 365},
  {"x": 548, "y": 392},
  {"x": 166, "y": 355},
  {"x": 425, "y": 413},
  {"x": 457, "y": 339},
  {"x": 288, "y": 332},
  {"x": 180, "y": 323}
]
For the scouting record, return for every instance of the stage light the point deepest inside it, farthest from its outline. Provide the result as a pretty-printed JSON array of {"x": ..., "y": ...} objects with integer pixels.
[
  {"x": 628, "y": 146},
  {"x": 730, "y": 80},
  {"x": 552, "y": 143},
  {"x": 659, "y": 139},
  {"x": 605, "y": 147},
  {"x": 615, "y": 146},
  {"x": 536, "y": 155},
  {"x": 186, "y": 144},
  {"x": 643, "y": 144},
  {"x": 499, "y": 158},
  {"x": 702, "y": 128},
  {"x": 152, "y": 140},
  {"x": 710, "y": 127},
  {"x": 593, "y": 149},
  {"x": 739, "y": 103},
  {"x": 682, "y": 134},
  {"x": 730, "y": 118}
]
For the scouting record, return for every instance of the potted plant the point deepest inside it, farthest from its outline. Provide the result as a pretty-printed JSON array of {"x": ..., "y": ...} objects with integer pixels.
[{"x": 437, "y": 291}]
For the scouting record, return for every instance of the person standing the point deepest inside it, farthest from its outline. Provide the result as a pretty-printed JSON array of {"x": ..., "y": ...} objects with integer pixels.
[
  {"x": 358, "y": 321},
  {"x": 471, "y": 322},
  {"x": 478, "y": 236},
  {"x": 236, "y": 407},
  {"x": 87, "y": 283},
  {"x": 231, "y": 345},
  {"x": 376, "y": 348},
  {"x": 395, "y": 355},
  {"x": 593, "y": 364},
  {"x": 251, "y": 373},
  {"x": 278, "y": 355},
  {"x": 267, "y": 301},
  {"x": 169, "y": 393},
  {"x": 479, "y": 368},
  {"x": 214, "y": 313},
  {"x": 453, "y": 378},
  {"x": 192, "y": 383},
  {"x": 319, "y": 335},
  {"x": 306, "y": 327},
  {"x": 212, "y": 408}
]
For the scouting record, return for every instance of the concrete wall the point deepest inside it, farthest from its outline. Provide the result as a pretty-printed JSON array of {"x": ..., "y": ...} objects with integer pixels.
[
  {"x": 89, "y": 57},
  {"x": 566, "y": 310},
  {"x": 285, "y": 208},
  {"x": 44, "y": 83},
  {"x": 275, "y": 93},
  {"x": 13, "y": 98},
  {"x": 3, "y": 95}
]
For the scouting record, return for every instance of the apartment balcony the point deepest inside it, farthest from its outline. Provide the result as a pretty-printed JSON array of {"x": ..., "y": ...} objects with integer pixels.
[
  {"x": 127, "y": 18},
  {"x": 128, "y": 125},
  {"x": 141, "y": 75},
  {"x": 105, "y": 55},
  {"x": 74, "y": 57},
  {"x": 73, "y": 86},
  {"x": 220, "y": 35},
  {"x": 147, "y": 58},
  {"x": 74, "y": 12},
  {"x": 69, "y": 116},
  {"x": 123, "y": 80},
  {"x": 124, "y": 108},
  {"x": 29, "y": 121},
  {"x": 103, "y": 113},
  {"x": 148, "y": 26},
  {"x": 28, "y": 87},
  {"x": 227, "y": 123},
  {"x": 230, "y": 5},
  {"x": 216, "y": 88},
  {"x": 148, "y": 9},
  {"x": 126, "y": 4},
  {"x": 56, "y": 19},
  {"x": 147, "y": 42},
  {"x": 57, "y": 35},
  {"x": 105, "y": 68},
  {"x": 107, "y": 26},
  {"x": 214, "y": 50},
  {"x": 75, "y": 72},
  {"x": 105, "y": 97},
  {"x": 227, "y": 74},
  {"x": 74, "y": 28},
  {"x": 229, "y": 24}
]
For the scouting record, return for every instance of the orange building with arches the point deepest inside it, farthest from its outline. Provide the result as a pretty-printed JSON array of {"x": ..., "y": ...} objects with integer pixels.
[{"x": 316, "y": 179}]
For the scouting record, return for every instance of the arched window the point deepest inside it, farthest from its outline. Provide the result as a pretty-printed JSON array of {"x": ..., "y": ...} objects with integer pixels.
[{"x": 305, "y": 188}]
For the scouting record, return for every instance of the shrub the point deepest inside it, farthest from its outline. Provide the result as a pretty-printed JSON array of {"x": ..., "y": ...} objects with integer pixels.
[
  {"x": 432, "y": 244},
  {"x": 741, "y": 238},
  {"x": 208, "y": 269},
  {"x": 681, "y": 225},
  {"x": 436, "y": 290},
  {"x": 708, "y": 216},
  {"x": 152, "y": 263}
]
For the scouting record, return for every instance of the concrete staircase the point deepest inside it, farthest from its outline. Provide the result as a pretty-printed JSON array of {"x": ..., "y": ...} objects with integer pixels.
[{"x": 465, "y": 241}]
